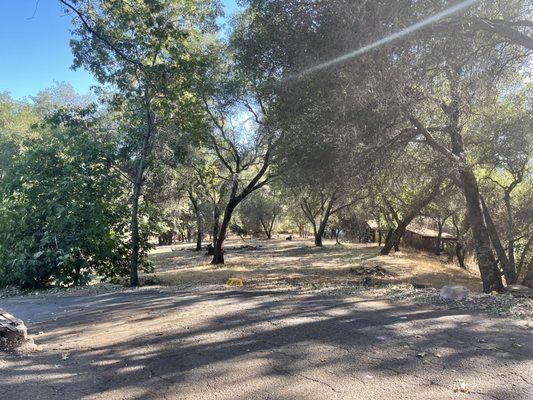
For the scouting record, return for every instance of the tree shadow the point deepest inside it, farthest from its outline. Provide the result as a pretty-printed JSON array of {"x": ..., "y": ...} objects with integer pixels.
[{"x": 255, "y": 344}]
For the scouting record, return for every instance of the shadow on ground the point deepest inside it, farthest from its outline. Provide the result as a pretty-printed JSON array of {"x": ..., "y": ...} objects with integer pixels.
[{"x": 153, "y": 344}]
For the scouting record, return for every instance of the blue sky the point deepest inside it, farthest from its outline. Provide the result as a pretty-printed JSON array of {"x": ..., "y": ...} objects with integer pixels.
[{"x": 34, "y": 47}]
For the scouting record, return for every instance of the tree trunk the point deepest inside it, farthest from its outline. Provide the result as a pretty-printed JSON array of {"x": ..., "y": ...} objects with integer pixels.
[
  {"x": 267, "y": 228},
  {"x": 508, "y": 269},
  {"x": 218, "y": 252},
  {"x": 319, "y": 233},
  {"x": 397, "y": 242},
  {"x": 134, "y": 260},
  {"x": 199, "y": 237},
  {"x": 511, "y": 228},
  {"x": 439, "y": 238},
  {"x": 460, "y": 253},
  {"x": 337, "y": 233},
  {"x": 490, "y": 274},
  {"x": 395, "y": 235},
  {"x": 318, "y": 240},
  {"x": 216, "y": 224},
  {"x": 137, "y": 188}
]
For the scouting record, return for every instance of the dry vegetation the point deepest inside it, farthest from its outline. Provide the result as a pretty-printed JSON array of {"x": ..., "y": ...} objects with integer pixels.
[
  {"x": 278, "y": 263},
  {"x": 298, "y": 266}
]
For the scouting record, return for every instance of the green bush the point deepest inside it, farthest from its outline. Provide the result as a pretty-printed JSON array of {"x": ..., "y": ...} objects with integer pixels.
[{"x": 64, "y": 211}]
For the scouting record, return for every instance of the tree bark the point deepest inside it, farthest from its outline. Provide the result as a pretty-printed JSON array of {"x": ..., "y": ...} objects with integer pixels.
[
  {"x": 137, "y": 189},
  {"x": 510, "y": 227},
  {"x": 216, "y": 223},
  {"x": 199, "y": 236},
  {"x": 199, "y": 230},
  {"x": 460, "y": 253},
  {"x": 319, "y": 234},
  {"x": 509, "y": 270},
  {"x": 395, "y": 236},
  {"x": 267, "y": 228},
  {"x": 235, "y": 198},
  {"x": 490, "y": 274},
  {"x": 218, "y": 251},
  {"x": 439, "y": 238},
  {"x": 504, "y": 29}
]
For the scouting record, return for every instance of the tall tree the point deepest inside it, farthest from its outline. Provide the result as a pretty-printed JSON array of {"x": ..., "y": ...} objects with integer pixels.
[{"x": 150, "y": 53}]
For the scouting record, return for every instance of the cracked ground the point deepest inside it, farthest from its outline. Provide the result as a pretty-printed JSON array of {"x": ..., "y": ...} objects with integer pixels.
[{"x": 239, "y": 344}]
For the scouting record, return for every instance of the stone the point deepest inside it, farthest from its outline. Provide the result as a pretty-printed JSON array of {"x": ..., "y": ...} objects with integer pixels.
[
  {"x": 13, "y": 332},
  {"x": 454, "y": 293}
]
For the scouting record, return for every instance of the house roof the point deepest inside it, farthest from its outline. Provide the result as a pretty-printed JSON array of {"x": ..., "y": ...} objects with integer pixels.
[
  {"x": 372, "y": 224},
  {"x": 429, "y": 233}
]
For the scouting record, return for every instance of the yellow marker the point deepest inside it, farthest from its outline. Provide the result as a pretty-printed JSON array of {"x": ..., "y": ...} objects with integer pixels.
[{"x": 235, "y": 282}]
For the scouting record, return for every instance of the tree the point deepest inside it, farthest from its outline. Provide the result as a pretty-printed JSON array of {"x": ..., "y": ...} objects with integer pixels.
[
  {"x": 445, "y": 99},
  {"x": 246, "y": 167},
  {"x": 243, "y": 138},
  {"x": 506, "y": 161},
  {"x": 150, "y": 52},
  {"x": 63, "y": 211},
  {"x": 260, "y": 212}
]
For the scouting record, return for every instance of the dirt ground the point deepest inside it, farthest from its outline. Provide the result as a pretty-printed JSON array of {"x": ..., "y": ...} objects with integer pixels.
[
  {"x": 211, "y": 341},
  {"x": 278, "y": 263}
]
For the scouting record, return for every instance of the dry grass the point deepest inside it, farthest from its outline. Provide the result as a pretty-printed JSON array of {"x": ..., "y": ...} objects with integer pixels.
[{"x": 278, "y": 263}]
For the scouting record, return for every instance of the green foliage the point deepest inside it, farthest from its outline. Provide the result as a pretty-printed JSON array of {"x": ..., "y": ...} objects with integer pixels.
[
  {"x": 260, "y": 211},
  {"x": 63, "y": 209}
]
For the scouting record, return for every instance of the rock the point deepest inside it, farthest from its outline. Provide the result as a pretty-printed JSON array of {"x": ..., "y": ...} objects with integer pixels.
[
  {"x": 453, "y": 293},
  {"x": 528, "y": 280},
  {"x": 13, "y": 332}
]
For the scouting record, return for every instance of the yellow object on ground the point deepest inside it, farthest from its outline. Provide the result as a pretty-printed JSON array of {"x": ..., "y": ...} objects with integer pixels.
[{"x": 235, "y": 282}]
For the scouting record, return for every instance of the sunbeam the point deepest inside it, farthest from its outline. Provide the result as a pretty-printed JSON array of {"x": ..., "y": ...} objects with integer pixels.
[{"x": 390, "y": 38}]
